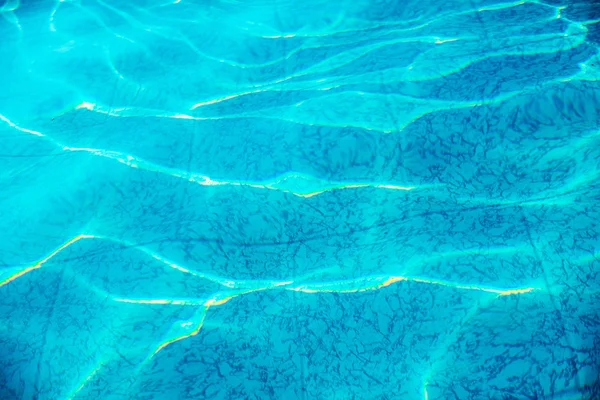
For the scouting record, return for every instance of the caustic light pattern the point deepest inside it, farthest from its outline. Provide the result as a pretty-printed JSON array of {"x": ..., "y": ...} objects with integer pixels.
[{"x": 299, "y": 199}]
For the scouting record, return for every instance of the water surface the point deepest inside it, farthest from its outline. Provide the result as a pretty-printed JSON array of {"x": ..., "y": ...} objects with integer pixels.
[{"x": 299, "y": 200}]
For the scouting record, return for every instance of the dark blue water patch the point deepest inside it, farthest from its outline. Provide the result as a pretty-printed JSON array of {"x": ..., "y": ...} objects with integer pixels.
[
  {"x": 587, "y": 12},
  {"x": 579, "y": 10},
  {"x": 515, "y": 74},
  {"x": 293, "y": 324},
  {"x": 594, "y": 35}
]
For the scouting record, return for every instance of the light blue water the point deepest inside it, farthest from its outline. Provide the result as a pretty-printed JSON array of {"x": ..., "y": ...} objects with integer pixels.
[{"x": 299, "y": 199}]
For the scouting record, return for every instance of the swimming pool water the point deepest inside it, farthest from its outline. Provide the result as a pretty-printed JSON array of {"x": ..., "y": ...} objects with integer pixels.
[{"x": 226, "y": 199}]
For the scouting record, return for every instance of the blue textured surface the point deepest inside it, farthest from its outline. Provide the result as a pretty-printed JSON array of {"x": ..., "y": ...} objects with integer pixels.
[{"x": 299, "y": 199}]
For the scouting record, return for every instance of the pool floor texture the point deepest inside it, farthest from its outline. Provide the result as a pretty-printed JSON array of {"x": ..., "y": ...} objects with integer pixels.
[{"x": 226, "y": 199}]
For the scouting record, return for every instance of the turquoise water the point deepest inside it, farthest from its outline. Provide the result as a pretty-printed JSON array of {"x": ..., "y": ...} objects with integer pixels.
[{"x": 299, "y": 199}]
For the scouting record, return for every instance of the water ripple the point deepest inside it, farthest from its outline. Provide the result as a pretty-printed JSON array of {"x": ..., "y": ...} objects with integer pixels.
[{"x": 216, "y": 145}]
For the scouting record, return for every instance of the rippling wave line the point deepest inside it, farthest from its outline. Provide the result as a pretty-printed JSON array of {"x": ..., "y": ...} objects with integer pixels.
[
  {"x": 317, "y": 186},
  {"x": 366, "y": 283},
  {"x": 269, "y": 113},
  {"x": 360, "y": 52},
  {"x": 356, "y": 285}
]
